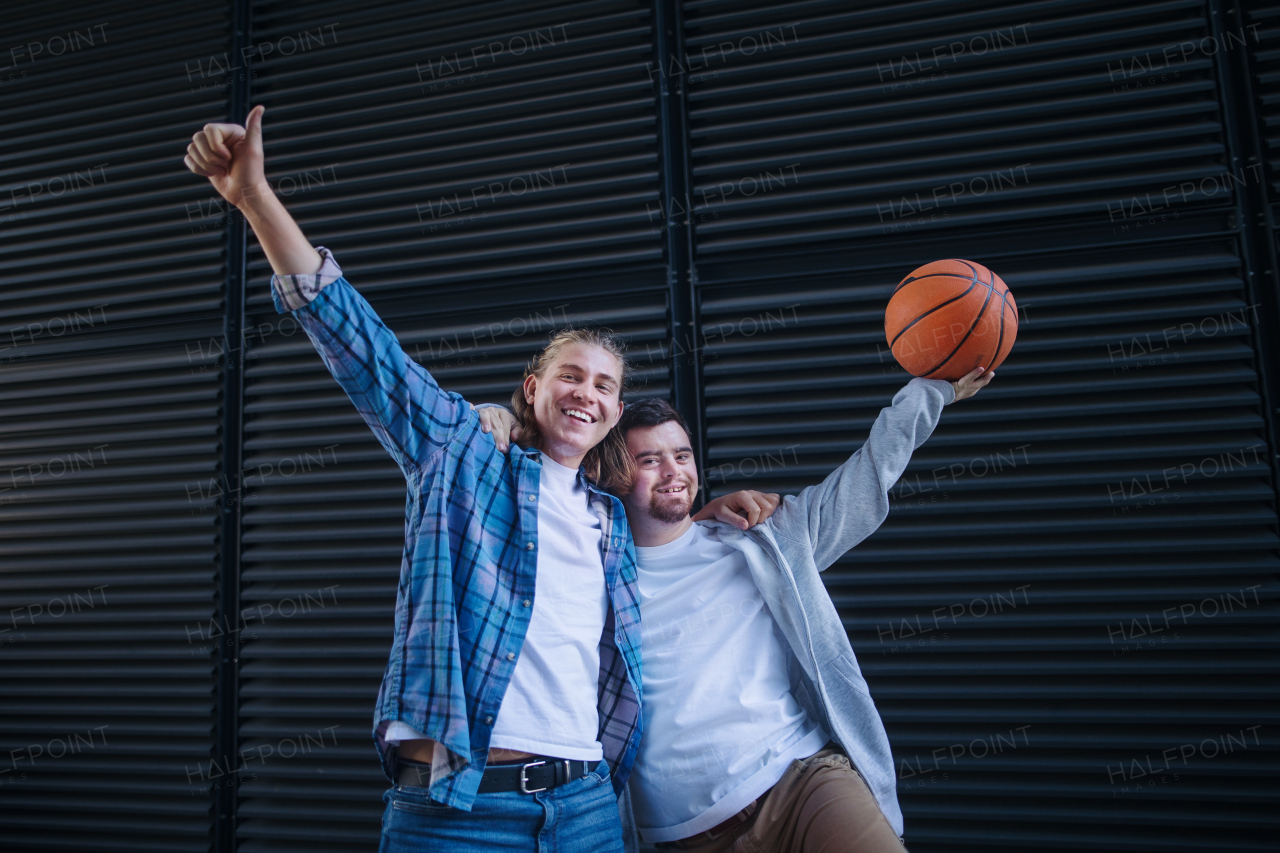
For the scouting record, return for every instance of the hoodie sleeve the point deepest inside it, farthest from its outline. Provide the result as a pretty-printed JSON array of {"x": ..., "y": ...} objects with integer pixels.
[{"x": 848, "y": 506}]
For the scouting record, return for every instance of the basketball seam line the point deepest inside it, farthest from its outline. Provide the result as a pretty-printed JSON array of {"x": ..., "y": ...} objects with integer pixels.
[
  {"x": 991, "y": 288},
  {"x": 972, "y": 283}
]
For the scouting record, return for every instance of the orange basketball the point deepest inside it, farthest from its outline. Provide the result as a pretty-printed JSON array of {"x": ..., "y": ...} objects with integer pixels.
[{"x": 949, "y": 317}]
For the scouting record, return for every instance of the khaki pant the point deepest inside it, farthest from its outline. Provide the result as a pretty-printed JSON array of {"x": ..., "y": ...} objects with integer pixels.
[{"x": 820, "y": 805}]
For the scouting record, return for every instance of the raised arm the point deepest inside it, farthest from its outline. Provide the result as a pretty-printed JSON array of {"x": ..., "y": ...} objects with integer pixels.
[
  {"x": 848, "y": 506},
  {"x": 399, "y": 400}
]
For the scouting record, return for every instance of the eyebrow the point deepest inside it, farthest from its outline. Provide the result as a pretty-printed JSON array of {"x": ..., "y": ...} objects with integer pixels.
[
  {"x": 644, "y": 453},
  {"x": 584, "y": 370}
]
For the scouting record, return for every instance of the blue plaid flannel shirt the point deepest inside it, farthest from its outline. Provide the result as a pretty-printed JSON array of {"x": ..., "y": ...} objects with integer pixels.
[{"x": 471, "y": 546}]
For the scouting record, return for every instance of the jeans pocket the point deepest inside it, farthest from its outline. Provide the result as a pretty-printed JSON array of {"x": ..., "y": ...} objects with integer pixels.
[{"x": 599, "y": 773}]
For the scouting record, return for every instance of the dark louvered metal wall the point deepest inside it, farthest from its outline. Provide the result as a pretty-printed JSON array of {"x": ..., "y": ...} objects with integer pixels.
[
  {"x": 110, "y": 311},
  {"x": 1262, "y": 23},
  {"x": 479, "y": 171},
  {"x": 1078, "y": 574}
]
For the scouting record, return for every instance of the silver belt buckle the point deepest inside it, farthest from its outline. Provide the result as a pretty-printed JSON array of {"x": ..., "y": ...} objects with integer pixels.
[{"x": 524, "y": 780}]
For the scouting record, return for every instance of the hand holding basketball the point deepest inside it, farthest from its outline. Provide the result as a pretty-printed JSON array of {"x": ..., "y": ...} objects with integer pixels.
[{"x": 971, "y": 383}]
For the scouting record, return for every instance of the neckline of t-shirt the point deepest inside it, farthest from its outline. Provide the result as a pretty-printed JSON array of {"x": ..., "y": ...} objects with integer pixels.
[
  {"x": 659, "y": 551},
  {"x": 562, "y": 473}
]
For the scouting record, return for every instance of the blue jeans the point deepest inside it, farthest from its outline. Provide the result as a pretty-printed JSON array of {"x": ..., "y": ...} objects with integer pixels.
[{"x": 578, "y": 817}]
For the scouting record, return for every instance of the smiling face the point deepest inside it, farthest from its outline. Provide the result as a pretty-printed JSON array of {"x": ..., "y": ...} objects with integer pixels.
[
  {"x": 576, "y": 401},
  {"x": 666, "y": 473}
]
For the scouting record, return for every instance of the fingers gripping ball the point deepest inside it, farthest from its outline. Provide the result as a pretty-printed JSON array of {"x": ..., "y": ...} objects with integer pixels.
[{"x": 949, "y": 317}]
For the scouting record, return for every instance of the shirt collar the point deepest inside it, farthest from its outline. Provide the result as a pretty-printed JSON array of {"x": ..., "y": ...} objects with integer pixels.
[{"x": 532, "y": 454}]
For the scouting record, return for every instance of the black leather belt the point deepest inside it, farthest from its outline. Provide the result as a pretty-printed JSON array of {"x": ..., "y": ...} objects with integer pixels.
[{"x": 541, "y": 774}]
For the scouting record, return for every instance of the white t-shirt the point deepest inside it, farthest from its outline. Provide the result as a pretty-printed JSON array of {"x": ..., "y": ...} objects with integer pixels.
[
  {"x": 720, "y": 723},
  {"x": 549, "y": 707}
]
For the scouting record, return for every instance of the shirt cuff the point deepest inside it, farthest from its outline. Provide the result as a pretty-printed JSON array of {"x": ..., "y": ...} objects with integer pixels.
[{"x": 296, "y": 291}]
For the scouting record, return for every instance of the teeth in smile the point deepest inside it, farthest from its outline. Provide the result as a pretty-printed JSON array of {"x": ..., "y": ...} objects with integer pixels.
[
  {"x": 580, "y": 415},
  {"x": 671, "y": 490}
]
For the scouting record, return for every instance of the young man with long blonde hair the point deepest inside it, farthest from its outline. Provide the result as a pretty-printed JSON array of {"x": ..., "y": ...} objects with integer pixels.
[{"x": 512, "y": 697}]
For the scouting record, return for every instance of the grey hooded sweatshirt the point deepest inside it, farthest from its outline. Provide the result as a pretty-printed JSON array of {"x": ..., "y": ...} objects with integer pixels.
[{"x": 805, "y": 536}]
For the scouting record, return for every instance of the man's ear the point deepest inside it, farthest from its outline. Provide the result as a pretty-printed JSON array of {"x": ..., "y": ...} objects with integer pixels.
[
  {"x": 617, "y": 417},
  {"x": 530, "y": 388}
]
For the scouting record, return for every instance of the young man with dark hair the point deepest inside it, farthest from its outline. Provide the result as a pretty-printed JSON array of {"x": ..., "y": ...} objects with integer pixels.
[{"x": 759, "y": 730}]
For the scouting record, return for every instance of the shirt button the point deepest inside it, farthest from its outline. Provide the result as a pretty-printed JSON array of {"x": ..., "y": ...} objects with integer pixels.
[
  {"x": 511, "y": 656},
  {"x": 533, "y": 497},
  {"x": 529, "y": 546},
  {"x": 488, "y": 720},
  {"x": 528, "y": 603}
]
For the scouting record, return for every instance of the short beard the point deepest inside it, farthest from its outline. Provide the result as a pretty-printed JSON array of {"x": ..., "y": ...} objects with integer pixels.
[{"x": 668, "y": 512}]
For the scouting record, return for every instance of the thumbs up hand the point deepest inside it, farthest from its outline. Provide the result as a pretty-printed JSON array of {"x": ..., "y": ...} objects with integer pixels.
[{"x": 230, "y": 156}]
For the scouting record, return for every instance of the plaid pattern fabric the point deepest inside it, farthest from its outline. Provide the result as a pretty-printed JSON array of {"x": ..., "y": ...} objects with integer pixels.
[{"x": 470, "y": 555}]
